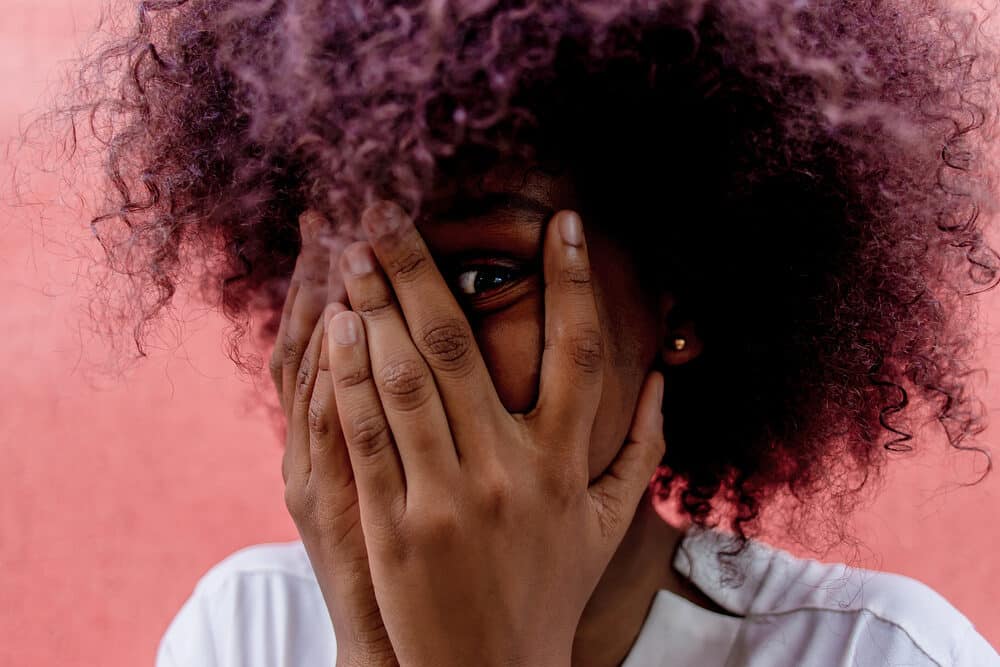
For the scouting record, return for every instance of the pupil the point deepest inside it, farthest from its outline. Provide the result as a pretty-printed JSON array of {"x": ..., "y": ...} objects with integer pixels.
[{"x": 489, "y": 278}]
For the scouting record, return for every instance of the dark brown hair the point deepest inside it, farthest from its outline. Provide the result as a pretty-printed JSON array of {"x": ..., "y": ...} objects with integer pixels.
[{"x": 809, "y": 180}]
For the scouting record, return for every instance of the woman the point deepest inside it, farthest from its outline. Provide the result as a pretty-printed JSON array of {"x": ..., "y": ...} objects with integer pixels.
[{"x": 721, "y": 244}]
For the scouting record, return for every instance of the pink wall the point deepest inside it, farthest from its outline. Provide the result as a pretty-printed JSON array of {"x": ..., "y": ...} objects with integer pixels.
[{"x": 116, "y": 496}]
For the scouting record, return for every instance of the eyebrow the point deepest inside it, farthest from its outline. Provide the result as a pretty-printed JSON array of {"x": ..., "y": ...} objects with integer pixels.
[{"x": 468, "y": 206}]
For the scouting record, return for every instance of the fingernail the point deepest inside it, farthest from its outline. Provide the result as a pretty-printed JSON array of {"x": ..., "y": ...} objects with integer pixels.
[
  {"x": 331, "y": 310},
  {"x": 310, "y": 223},
  {"x": 359, "y": 260},
  {"x": 571, "y": 229},
  {"x": 382, "y": 218},
  {"x": 344, "y": 331}
]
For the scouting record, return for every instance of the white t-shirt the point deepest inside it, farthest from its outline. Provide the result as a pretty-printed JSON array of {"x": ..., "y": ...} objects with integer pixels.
[{"x": 262, "y": 607}]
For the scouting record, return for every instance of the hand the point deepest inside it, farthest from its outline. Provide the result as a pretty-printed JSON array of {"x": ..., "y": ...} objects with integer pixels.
[
  {"x": 485, "y": 538},
  {"x": 320, "y": 491}
]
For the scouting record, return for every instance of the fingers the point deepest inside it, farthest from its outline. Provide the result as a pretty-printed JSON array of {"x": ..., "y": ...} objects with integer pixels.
[
  {"x": 296, "y": 461},
  {"x": 378, "y": 470},
  {"x": 303, "y": 305},
  {"x": 573, "y": 358},
  {"x": 331, "y": 464},
  {"x": 401, "y": 378},
  {"x": 277, "y": 363},
  {"x": 616, "y": 494},
  {"x": 437, "y": 324}
]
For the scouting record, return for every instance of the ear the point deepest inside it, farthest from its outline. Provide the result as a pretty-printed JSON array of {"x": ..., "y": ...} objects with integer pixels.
[{"x": 679, "y": 342}]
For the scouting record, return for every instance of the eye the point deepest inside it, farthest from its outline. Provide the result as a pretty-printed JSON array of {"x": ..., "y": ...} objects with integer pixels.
[{"x": 475, "y": 281}]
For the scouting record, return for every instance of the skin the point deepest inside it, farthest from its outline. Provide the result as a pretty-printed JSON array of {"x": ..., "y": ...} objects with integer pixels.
[{"x": 508, "y": 325}]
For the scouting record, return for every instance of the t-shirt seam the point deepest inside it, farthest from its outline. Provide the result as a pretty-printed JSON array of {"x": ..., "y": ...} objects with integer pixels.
[
  {"x": 771, "y": 554},
  {"x": 852, "y": 611},
  {"x": 228, "y": 576}
]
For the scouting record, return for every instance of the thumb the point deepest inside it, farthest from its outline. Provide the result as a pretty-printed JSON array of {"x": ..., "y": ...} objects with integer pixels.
[{"x": 617, "y": 493}]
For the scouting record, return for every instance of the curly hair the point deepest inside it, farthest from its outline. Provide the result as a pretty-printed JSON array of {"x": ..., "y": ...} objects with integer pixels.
[{"x": 809, "y": 179}]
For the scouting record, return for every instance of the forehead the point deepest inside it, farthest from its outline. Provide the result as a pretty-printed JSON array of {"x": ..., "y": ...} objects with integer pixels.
[{"x": 509, "y": 186}]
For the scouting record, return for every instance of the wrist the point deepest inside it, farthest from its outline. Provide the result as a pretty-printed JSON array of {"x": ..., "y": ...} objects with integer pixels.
[
  {"x": 376, "y": 655},
  {"x": 365, "y": 660},
  {"x": 537, "y": 659}
]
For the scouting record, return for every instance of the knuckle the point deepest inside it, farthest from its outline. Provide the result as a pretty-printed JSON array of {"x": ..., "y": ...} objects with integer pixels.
[
  {"x": 350, "y": 376},
  {"x": 575, "y": 278},
  {"x": 291, "y": 351},
  {"x": 410, "y": 265},
  {"x": 374, "y": 304},
  {"x": 304, "y": 379},
  {"x": 437, "y": 526},
  {"x": 369, "y": 434},
  {"x": 319, "y": 421},
  {"x": 495, "y": 495},
  {"x": 448, "y": 343},
  {"x": 586, "y": 349},
  {"x": 406, "y": 382},
  {"x": 329, "y": 507}
]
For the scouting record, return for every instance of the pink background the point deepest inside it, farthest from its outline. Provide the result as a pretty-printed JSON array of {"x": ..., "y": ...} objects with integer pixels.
[{"x": 116, "y": 495}]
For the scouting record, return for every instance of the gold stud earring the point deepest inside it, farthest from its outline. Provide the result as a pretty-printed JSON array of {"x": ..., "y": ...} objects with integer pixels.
[{"x": 679, "y": 343}]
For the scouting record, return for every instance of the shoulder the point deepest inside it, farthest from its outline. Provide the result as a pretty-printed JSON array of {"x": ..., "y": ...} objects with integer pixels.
[
  {"x": 873, "y": 617},
  {"x": 863, "y": 616},
  {"x": 260, "y": 605}
]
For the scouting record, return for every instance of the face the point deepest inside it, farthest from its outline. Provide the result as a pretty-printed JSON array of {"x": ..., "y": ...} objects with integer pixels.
[{"x": 490, "y": 252}]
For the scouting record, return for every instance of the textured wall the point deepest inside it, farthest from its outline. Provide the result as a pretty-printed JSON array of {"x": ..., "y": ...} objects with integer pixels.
[{"x": 115, "y": 496}]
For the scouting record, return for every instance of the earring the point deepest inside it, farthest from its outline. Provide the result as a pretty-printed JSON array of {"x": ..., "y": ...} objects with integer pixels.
[{"x": 679, "y": 343}]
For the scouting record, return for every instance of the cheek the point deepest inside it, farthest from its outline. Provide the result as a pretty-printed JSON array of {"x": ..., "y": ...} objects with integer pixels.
[
  {"x": 511, "y": 342},
  {"x": 620, "y": 390},
  {"x": 630, "y": 332}
]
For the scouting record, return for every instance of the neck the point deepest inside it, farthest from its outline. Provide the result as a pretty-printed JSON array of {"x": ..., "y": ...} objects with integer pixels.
[{"x": 641, "y": 566}]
